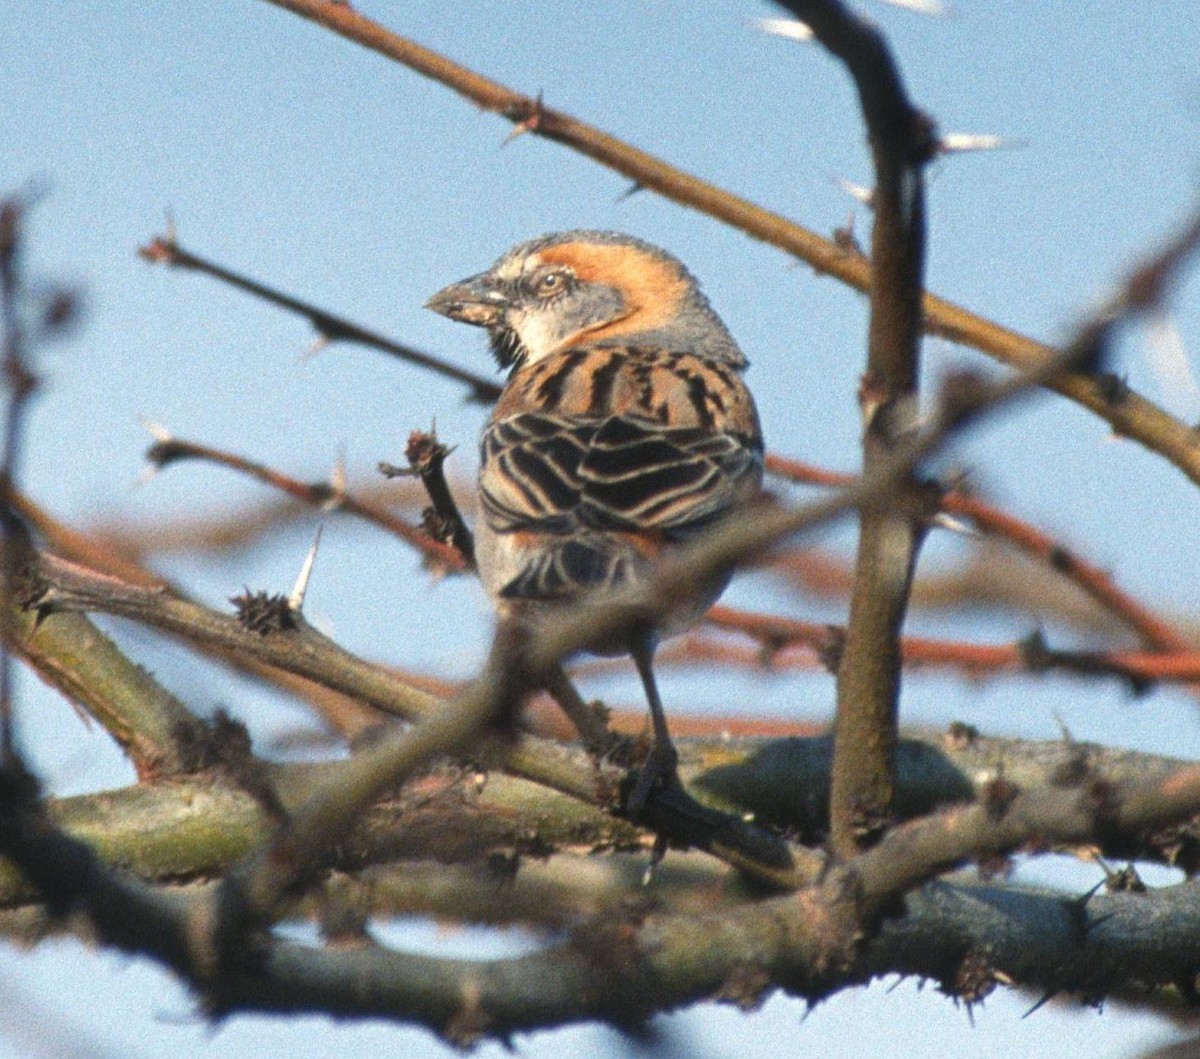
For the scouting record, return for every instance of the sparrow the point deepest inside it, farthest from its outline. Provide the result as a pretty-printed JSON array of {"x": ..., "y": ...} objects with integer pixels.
[{"x": 624, "y": 429}]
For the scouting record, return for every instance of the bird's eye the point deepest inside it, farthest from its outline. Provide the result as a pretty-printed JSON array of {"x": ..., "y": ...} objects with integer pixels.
[{"x": 551, "y": 283}]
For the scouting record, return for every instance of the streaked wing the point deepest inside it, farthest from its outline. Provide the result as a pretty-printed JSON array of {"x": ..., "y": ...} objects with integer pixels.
[
  {"x": 642, "y": 476},
  {"x": 529, "y": 477},
  {"x": 550, "y": 474}
]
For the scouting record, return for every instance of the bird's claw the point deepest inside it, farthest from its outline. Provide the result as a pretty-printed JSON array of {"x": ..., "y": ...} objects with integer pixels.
[{"x": 659, "y": 769}]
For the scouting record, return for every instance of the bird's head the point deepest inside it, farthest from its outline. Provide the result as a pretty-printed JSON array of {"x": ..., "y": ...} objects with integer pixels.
[{"x": 586, "y": 288}]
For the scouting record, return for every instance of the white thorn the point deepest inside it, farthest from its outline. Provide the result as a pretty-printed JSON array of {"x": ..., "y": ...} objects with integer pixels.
[
  {"x": 1167, "y": 355},
  {"x": 856, "y": 191},
  {"x": 146, "y": 475},
  {"x": 965, "y": 142},
  {"x": 172, "y": 231},
  {"x": 921, "y": 7},
  {"x": 296, "y": 599},
  {"x": 789, "y": 28},
  {"x": 156, "y": 430},
  {"x": 337, "y": 483},
  {"x": 954, "y": 525},
  {"x": 317, "y": 346}
]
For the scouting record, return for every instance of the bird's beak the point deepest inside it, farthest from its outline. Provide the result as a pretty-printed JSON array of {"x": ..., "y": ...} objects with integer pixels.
[{"x": 478, "y": 300}]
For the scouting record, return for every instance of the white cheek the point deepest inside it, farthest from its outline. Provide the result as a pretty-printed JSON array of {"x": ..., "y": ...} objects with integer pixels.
[{"x": 537, "y": 333}]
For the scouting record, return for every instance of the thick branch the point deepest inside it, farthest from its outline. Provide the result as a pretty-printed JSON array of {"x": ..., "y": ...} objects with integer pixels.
[
  {"x": 623, "y": 968},
  {"x": 868, "y": 687},
  {"x": 159, "y": 733}
]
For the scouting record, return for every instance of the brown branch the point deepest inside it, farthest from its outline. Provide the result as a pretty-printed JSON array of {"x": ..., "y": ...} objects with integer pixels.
[
  {"x": 346, "y": 715},
  {"x": 301, "y": 650},
  {"x": 868, "y": 683},
  {"x": 1096, "y": 582},
  {"x": 1089, "y": 808},
  {"x": 319, "y": 495},
  {"x": 624, "y": 968},
  {"x": 443, "y": 521},
  {"x": 165, "y": 250},
  {"x": 1129, "y": 414},
  {"x": 775, "y": 634},
  {"x": 21, "y": 383}
]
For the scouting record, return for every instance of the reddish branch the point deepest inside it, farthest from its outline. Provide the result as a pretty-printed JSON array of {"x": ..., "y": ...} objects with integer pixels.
[
  {"x": 320, "y": 495},
  {"x": 989, "y": 519},
  {"x": 1032, "y": 655}
]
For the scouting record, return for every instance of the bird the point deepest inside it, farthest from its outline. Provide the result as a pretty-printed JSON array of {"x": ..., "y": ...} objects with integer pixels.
[{"x": 624, "y": 430}]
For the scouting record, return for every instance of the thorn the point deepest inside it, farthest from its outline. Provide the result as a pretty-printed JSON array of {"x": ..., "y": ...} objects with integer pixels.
[
  {"x": 630, "y": 191},
  {"x": 296, "y": 599},
  {"x": 788, "y": 28},
  {"x": 1064, "y": 731},
  {"x": 157, "y": 431},
  {"x": 530, "y": 123},
  {"x": 934, "y": 8},
  {"x": 1049, "y": 995},
  {"x": 857, "y": 192},
  {"x": 656, "y": 858},
  {"x": 337, "y": 483},
  {"x": 318, "y": 345},
  {"x": 1168, "y": 358},
  {"x": 161, "y": 436},
  {"x": 1080, "y": 901},
  {"x": 969, "y": 142},
  {"x": 948, "y": 522},
  {"x": 172, "y": 231}
]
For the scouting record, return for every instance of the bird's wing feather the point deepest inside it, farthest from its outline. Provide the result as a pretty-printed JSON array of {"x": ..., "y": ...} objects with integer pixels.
[{"x": 556, "y": 475}]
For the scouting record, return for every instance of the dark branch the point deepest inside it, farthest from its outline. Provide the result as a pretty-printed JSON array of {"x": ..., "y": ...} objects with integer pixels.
[{"x": 165, "y": 250}]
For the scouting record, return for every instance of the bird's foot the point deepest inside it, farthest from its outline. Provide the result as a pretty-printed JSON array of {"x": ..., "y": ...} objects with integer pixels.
[{"x": 660, "y": 769}]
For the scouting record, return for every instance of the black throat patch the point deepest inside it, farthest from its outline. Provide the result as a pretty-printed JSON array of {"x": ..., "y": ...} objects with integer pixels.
[{"x": 506, "y": 347}]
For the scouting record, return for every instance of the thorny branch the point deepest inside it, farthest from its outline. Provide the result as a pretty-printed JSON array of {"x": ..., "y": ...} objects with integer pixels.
[
  {"x": 903, "y": 142},
  {"x": 842, "y": 926},
  {"x": 1097, "y": 582},
  {"x": 802, "y": 942},
  {"x": 164, "y": 249},
  {"x": 168, "y": 449},
  {"x": 1032, "y": 654},
  {"x": 1129, "y": 414}
]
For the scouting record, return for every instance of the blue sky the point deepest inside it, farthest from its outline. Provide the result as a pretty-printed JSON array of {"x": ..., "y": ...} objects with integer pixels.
[{"x": 298, "y": 158}]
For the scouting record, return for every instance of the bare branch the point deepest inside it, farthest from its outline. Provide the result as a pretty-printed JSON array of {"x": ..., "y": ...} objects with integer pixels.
[
  {"x": 165, "y": 250},
  {"x": 319, "y": 495},
  {"x": 868, "y": 687},
  {"x": 1132, "y": 416}
]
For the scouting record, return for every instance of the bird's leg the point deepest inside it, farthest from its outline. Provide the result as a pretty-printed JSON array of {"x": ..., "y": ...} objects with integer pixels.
[
  {"x": 589, "y": 723},
  {"x": 661, "y": 765}
]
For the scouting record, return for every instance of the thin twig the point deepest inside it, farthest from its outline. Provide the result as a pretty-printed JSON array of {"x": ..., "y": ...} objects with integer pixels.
[
  {"x": 1096, "y": 582},
  {"x": 170, "y": 449},
  {"x": 165, "y": 250},
  {"x": 21, "y": 383},
  {"x": 1031, "y": 655}
]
